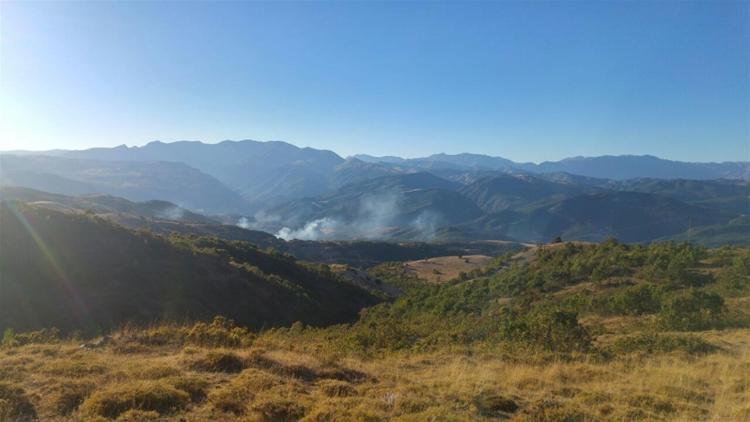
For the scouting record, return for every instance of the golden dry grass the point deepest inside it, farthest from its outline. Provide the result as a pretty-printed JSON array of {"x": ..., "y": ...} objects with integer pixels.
[
  {"x": 444, "y": 268},
  {"x": 286, "y": 379}
]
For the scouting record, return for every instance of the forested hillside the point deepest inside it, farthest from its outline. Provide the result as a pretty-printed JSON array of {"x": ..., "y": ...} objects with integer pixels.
[{"x": 78, "y": 272}]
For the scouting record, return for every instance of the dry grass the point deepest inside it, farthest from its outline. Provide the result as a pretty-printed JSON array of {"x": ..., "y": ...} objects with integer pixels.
[
  {"x": 281, "y": 380},
  {"x": 444, "y": 268}
]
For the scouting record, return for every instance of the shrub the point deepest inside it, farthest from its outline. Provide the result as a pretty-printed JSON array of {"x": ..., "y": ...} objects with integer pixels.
[
  {"x": 14, "y": 404},
  {"x": 551, "y": 329},
  {"x": 335, "y": 388},
  {"x": 278, "y": 410},
  {"x": 491, "y": 404},
  {"x": 663, "y": 343},
  {"x": 637, "y": 300},
  {"x": 194, "y": 386},
  {"x": 134, "y": 415},
  {"x": 234, "y": 396},
  {"x": 67, "y": 399},
  {"x": 735, "y": 277},
  {"x": 693, "y": 310},
  {"x": 9, "y": 338},
  {"x": 218, "y": 362},
  {"x": 73, "y": 368},
  {"x": 43, "y": 336},
  {"x": 221, "y": 332},
  {"x": 154, "y": 371},
  {"x": 156, "y": 396}
]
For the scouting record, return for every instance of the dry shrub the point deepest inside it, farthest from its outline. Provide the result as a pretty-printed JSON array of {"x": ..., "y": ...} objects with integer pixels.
[
  {"x": 73, "y": 368},
  {"x": 552, "y": 410},
  {"x": 221, "y": 332},
  {"x": 340, "y": 410},
  {"x": 305, "y": 373},
  {"x": 650, "y": 402},
  {"x": 155, "y": 371},
  {"x": 196, "y": 387},
  {"x": 15, "y": 404},
  {"x": 336, "y": 388},
  {"x": 154, "y": 396},
  {"x": 130, "y": 348},
  {"x": 217, "y": 362},
  {"x": 69, "y": 396},
  {"x": 134, "y": 415},
  {"x": 410, "y": 404},
  {"x": 234, "y": 396},
  {"x": 491, "y": 404},
  {"x": 530, "y": 384},
  {"x": 274, "y": 409},
  {"x": 344, "y": 374}
]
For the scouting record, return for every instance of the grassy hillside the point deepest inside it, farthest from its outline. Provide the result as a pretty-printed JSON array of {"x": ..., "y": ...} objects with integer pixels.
[
  {"x": 76, "y": 271},
  {"x": 575, "y": 332}
]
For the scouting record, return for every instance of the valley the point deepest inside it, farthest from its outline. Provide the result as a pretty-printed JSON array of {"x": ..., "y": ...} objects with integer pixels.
[{"x": 315, "y": 195}]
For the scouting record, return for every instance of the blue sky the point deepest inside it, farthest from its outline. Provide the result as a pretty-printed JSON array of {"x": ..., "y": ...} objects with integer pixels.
[{"x": 527, "y": 81}]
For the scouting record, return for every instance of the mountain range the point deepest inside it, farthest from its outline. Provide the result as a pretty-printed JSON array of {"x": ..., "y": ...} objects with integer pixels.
[{"x": 311, "y": 194}]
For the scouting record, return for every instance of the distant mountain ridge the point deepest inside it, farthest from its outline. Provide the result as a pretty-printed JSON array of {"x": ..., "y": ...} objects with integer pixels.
[
  {"x": 306, "y": 193},
  {"x": 229, "y": 161},
  {"x": 620, "y": 167}
]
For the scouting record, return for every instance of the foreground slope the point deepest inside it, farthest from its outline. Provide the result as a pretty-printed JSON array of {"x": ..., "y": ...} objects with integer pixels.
[
  {"x": 78, "y": 272},
  {"x": 576, "y": 332}
]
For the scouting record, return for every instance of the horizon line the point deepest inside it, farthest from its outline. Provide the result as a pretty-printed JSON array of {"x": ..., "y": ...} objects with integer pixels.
[{"x": 31, "y": 152}]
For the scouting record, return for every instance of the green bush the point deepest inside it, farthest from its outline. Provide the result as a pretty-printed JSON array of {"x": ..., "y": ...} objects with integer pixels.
[
  {"x": 663, "y": 343},
  {"x": 9, "y": 338},
  {"x": 693, "y": 310},
  {"x": 551, "y": 329},
  {"x": 638, "y": 300},
  {"x": 734, "y": 278},
  {"x": 43, "y": 336}
]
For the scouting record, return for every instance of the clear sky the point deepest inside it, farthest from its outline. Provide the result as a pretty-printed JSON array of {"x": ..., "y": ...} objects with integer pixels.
[{"x": 527, "y": 81}]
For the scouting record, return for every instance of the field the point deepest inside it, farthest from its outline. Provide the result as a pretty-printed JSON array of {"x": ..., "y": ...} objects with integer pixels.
[
  {"x": 445, "y": 268},
  {"x": 278, "y": 377}
]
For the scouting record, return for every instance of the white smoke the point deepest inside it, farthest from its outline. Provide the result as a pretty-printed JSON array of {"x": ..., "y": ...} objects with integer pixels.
[
  {"x": 313, "y": 230},
  {"x": 425, "y": 226},
  {"x": 171, "y": 213},
  {"x": 244, "y": 223},
  {"x": 375, "y": 217},
  {"x": 261, "y": 220}
]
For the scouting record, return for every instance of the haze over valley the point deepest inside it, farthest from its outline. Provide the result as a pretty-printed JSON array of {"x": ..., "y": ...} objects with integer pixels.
[{"x": 310, "y": 194}]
